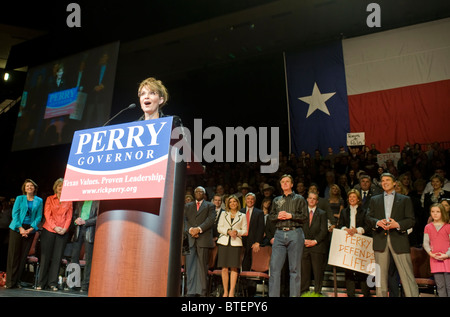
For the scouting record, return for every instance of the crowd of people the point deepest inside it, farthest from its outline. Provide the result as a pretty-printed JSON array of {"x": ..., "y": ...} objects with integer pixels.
[
  {"x": 50, "y": 224},
  {"x": 238, "y": 210},
  {"x": 307, "y": 198},
  {"x": 293, "y": 211}
]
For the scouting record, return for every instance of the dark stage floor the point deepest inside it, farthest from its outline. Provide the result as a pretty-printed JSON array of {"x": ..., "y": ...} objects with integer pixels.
[{"x": 30, "y": 292}]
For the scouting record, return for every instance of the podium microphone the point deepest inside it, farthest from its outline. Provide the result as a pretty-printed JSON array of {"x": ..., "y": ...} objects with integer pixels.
[{"x": 133, "y": 105}]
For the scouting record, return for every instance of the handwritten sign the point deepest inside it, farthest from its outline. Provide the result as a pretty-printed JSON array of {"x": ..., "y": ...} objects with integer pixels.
[
  {"x": 384, "y": 157},
  {"x": 124, "y": 161},
  {"x": 356, "y": 139},
  {"x": 351, "y": 252}
]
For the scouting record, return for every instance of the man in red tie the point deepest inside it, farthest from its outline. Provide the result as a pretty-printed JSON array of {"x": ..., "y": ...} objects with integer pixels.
[
  {"x": 199, "y": 217},
  {"x": 315, "y": 250}
]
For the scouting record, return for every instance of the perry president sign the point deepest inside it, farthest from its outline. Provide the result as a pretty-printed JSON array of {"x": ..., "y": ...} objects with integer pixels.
[{"x": 124, "y": 161}]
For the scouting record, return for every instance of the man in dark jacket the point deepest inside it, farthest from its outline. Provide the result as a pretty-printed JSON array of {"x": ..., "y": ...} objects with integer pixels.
[
  {"x": 316, "y": 246},
  {"x": 85, "y": 214},
  {"x": 199, "y": 220},
  {"x": 390, "y": 215}
]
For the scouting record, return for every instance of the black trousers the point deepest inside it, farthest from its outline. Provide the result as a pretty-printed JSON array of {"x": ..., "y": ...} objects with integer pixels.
[
  {"x": 52, "y": 249},
  {"x": 18, "y": 250},
  {"x": 88, "y": 249},
  {"x": 354, "y": 277},
  {"x": 312, "y": 262}
]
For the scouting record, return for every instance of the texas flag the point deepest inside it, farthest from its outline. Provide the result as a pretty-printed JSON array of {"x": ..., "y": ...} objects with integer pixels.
[{"x": 394, "y": 86}]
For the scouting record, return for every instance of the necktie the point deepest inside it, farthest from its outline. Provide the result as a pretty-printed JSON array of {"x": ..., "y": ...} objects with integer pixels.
[
  {"x": 364, "y": 196},
  {"x": 247, "y": 214},
  {"x": 198, "y": 205},
  {"x": 311, "y": 214}
]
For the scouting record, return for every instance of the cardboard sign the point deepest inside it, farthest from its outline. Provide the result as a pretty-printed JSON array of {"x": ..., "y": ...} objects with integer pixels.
[
  {"x": 124, "y": 161},
  {"x": 384, "y": 157},
  {"x": 356, "y": 139},
  {"x": 351, "y": 252}
]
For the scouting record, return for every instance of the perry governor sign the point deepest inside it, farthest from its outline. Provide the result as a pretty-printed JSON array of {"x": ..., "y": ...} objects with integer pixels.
[{"x": 124, "y": 161}]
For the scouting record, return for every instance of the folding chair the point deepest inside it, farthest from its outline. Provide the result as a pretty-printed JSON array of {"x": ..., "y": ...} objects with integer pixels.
[{"x": 260, "y": 267}]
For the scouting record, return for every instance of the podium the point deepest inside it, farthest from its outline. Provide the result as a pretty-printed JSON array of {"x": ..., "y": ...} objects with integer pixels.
[{"x": 137, "y": 246}]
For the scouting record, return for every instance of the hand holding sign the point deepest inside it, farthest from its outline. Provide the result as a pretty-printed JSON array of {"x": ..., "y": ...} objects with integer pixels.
[
  {"x": 352, "y": 252},
  {"x": 351, "y": 231}
]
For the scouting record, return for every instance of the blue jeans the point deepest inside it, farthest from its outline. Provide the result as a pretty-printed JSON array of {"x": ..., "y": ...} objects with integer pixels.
[{"x": 290, "y": 243}]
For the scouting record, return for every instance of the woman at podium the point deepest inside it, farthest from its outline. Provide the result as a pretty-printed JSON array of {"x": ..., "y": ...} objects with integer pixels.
[{"x": 153, "y": 96}]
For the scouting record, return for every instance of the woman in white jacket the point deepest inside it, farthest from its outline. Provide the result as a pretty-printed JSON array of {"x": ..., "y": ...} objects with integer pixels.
[{"x": 231, "y": 227}]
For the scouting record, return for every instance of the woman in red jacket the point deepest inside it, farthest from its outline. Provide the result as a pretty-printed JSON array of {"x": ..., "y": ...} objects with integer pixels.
[{"x": 58, "y": 215}]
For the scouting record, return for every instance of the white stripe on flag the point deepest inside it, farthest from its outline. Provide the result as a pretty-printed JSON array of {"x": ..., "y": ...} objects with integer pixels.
[{"x": 401, "y": 57}]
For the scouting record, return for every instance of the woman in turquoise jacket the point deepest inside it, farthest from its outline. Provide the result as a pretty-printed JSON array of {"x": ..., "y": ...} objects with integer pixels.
[{"x": 26, "y": 215}]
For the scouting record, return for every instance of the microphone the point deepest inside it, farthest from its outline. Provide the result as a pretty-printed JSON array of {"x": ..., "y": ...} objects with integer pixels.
[{"x": 133, "y": 105}]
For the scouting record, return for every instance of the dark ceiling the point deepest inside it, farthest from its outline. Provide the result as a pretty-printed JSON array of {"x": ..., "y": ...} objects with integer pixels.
[
  {"x": 224, "y": 45},
  {"x": 202, "y": 32}
]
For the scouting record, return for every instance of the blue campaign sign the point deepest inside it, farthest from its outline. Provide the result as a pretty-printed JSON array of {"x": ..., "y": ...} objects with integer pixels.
[
  {"x": 129, "y": 159},
  {"x": 61, "y": 103}
]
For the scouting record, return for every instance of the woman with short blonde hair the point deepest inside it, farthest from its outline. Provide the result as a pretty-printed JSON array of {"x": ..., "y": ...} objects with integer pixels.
[
  {"x": 153, "y": 96},
  {"x": 231, "y": 227},
  {"x": 58, "y": 216}
]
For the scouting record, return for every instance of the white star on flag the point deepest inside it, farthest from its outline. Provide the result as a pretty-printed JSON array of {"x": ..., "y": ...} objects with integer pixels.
[{"x": 317, "y": 101}]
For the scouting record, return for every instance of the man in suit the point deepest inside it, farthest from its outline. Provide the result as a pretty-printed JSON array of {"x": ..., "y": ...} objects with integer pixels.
[
  {"x": 98, "y": 84},
  {"x": 323, "y": 204},
  {"x": 217, "y": 201},
  {"x": 85, "y": 218},
  {"x": 199, "y": 220},
  {"x": 315, "y": 250},
  {"x": 367, "y": 190},
  {"x": 254, "y": 237},
  {"x": 390, "y": 215},
  {"x": 244, "y": 189}
]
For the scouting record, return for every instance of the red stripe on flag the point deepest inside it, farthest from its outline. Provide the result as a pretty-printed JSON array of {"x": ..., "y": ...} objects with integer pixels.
[{"x": 417, "y": 114}]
